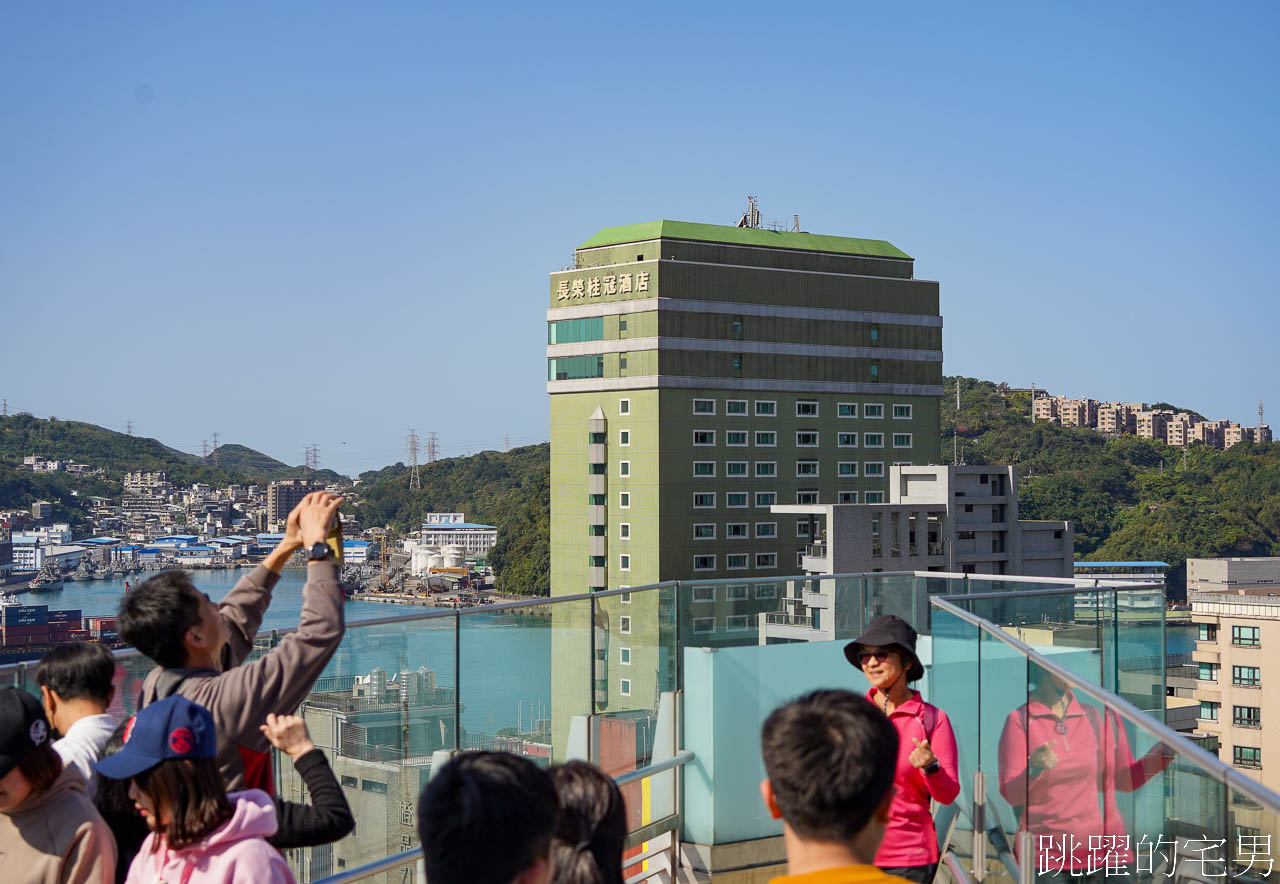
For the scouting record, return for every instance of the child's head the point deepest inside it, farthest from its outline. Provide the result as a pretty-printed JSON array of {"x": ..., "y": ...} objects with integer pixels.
[
  {"x": 169, "y": 754},
  {"x": 28, "y": 764},
  {"x": 488, "y": 816},
  {"x": 593, "y": 825}
]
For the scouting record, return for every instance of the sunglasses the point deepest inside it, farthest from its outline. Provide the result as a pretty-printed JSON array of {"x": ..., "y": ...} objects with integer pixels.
[{"x": 880, "y": 655}]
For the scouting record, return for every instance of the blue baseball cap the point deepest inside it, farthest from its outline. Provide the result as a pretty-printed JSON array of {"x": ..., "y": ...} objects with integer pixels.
[{"x": 170, "y": 728}]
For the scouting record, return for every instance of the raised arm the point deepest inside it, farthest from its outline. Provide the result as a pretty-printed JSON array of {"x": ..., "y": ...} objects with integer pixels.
[{"x": 328, "y": 817}]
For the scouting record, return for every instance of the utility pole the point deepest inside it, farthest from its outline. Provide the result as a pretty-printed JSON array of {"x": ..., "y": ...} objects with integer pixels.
[
  {"x": 433, "y": 447},
  {"x": 415, "y": 481},
  {"x": 215, "y": 450}
]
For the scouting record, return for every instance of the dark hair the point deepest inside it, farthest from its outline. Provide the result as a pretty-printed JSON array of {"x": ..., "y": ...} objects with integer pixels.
[
  {"x": 155, "y": 615},
  {"x": 78, "y": 670},
  {"x": 830, "y": 757},
  {"x": 486, "y": 816},
  {"x": 40, "y": 766},
  {"x": 587, "y": 848},
  {"x": 117, "y": 809},
  {"x": 190, "y": 790}
]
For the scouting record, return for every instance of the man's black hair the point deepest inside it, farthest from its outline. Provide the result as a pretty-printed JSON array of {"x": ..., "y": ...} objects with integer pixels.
[
  {"x": 78, "y": 671},
  {"x": 155, "y": 615},
  {"x": 486, "y": 817},
  {"x": 830, "y": 757}
]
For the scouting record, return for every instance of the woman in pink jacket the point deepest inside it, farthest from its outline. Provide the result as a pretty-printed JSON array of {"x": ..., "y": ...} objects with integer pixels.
[
  {"x": 199, "y": 833},
  {"x": 928, "y": 767}
]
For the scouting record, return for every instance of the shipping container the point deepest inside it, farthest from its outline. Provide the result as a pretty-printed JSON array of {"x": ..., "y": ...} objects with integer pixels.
[
  {"x": 24, "y": 614},
  {"x": 65, "y": 616},
  {"x": 109, "y": 635},
  {"x": 79, "y": 635},
  {"x": 32, "y": 629}
]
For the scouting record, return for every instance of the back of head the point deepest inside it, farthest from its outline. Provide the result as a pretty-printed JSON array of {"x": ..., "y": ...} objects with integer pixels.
[
  {"x": 117, "y": 808},
  {"x": 830, "y": 758},
  {"x": 78, "y": 671},
  {"x": 154, "y": 617},
  {"x": 593, "y": 825},
  {"x": 486, "y": 817}
]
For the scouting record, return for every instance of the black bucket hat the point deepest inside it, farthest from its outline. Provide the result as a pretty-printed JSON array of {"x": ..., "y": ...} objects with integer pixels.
[
  {"x": 23, "y": 726},
  {"x": 885, "y": 631}
]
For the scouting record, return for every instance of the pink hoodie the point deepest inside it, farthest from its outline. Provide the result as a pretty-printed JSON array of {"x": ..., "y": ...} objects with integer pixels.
[{"x": 234, "y": 853}]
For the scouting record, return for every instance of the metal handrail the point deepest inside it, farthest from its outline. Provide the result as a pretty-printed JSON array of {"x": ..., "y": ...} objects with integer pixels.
[
  {"x": 957, "y": 868},
  {"x": 1230, "y": 777},
  {"x": 398, "y": 860}
]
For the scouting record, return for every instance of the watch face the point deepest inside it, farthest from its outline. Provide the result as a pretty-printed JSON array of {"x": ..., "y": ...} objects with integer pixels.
[{"x": 320, "y": 551}]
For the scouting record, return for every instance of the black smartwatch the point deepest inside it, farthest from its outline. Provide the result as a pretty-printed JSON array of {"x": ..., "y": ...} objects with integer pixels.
[
  {"x": 319, "y": 552},
  {"x": 932, "y": 768}
]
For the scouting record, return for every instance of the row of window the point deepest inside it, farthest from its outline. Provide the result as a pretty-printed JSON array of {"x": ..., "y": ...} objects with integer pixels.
[
  {"x": 1243, "y": 676},
  {"x": 736, "y": 561},
  {"x": 804, "y": 439},
  {"x": 804, "y": 408},
  {"x": 706, "y": 500},
  {"x": 1241, "y": 636},
  {"x": 701, "y": 625},
  {"x": 768, "y": 469},
  {"x": 736, "y": 530},
  {"x": 1241, "y": 716}
]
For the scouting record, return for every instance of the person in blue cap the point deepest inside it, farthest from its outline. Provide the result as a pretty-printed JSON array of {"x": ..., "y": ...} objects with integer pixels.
[{"x": 199, "y": 833}]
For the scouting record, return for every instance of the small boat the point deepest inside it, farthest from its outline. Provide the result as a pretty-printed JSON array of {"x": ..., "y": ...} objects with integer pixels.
[{"x": 45, "y": 581}]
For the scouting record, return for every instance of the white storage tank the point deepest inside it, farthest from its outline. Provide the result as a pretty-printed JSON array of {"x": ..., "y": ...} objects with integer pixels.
[
  {"x": 435, "y": 560},
  {"x": 455, "y": 557}
]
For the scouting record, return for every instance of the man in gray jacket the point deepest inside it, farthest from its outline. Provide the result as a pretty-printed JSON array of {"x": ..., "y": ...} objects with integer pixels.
[{"x": 200, "y": 647}]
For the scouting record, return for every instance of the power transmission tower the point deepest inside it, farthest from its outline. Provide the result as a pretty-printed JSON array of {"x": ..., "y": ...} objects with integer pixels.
[
  {"x": 415, "y": 482},
  {"x": 204, "y": 451},
  {"x": 506, "y": 442},
  {"x": 128, "y": 428},
  {"x": 215, "y": 450},
  {"x": 5, "y": 409},
  {"x": 433, "y": 447},
  {"x": 313, "y": 457}
]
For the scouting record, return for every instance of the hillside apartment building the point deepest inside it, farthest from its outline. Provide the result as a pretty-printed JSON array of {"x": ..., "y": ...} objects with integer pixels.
[{"x": 1178, "y": 429}]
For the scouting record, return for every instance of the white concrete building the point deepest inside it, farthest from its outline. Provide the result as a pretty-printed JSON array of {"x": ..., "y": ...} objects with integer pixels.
[{"x": 453, "y": 529}]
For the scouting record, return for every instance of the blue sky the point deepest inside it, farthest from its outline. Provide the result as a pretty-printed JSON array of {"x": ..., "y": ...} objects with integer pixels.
[{"x": 312, "y": 223}]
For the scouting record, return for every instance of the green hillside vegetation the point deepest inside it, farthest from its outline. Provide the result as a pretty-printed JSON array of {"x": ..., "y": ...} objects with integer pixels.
[
  {"x": 1128, "y": 498},
  {"x": 511, "y": 491}
]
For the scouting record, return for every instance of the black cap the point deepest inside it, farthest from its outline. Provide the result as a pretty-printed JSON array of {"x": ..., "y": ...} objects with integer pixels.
[
  {"x": 23, "y": 726},
  {"x": 886, "y": 630}
]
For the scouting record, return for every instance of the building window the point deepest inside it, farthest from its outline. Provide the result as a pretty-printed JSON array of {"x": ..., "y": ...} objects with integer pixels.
[
  {"x": 704, "y": 593},
  {"x": 735, "y": 529},
  {"x": 624, "y": 563},
  {"x": 1246, "y": 676},
  {"x": 735, "y": 468},
  {"x": 1209, "y": 710},
  {"x": 847, "y": 469},
  {"x": 624, "y": 437},
  {"x": 1208, "y": 672},
  {"x": 766, "y": 498},
  {"x": 735, "y": 562},
  {"x": 349, "y": 781},
  {"x": 737, "y": 365},
  {"x": 735, "y": 499},
  {"x": 766, "y": 560},
  {"x": 735, "y": 406},
  {"x": 901, "y": 440},
  {"x": 902, "y": 412},
  {"x": 1243, "y": 716},
  {"x": 873, "y": 335},
  {"x": 373, "y": 786},
  {"x": 624, "y": 687},
  {"x": 736, "y": 328},
  {"x": 568, "y": 368},
  {"x": 624, "y": 656},
  {"x": 573, "y": 331},
  {"x": 1208, "y": 632},
  {"x": 873, "y": 410},
  {"x": 624, "y": 500},
  {"x": 704, "y": 531},
  {"x": 846, "y": 409},
  {"x": 704, "y": 437},
  {"x": 875, "y": 372},
  {"x": 808, "y": 496},
  {"x": 766, "y": 590},
  {"x": 624, "y": 406},
  {"x": 622, "y": 362},
  {"x": 704, "y": 406},
  {"x": 704, "y": 500},
  {"x": 624, "y": 530},
  {"x": 766, "y": 469},
  {"x": 806, "y": 438},
  {"x": 873, "y": 497},
  {"x": 766, "y": 439},
  {"x": 1246, "y": 756},
  {"x": 806, "y": 468},
  {"x": 735, "y": 438},
  {"x": 873, "y": 440},
  {"x": 704, "y": 563},
  {"x": 704, "y": 468},
  {"x": 704, "y": 624},
  {"x": 624, "y": 468},
  {"x": 766, "y": 529},
  {"x": 624, "y": 625},
  {"x": 622, "y": 325},
  {"x": 625, "y": 598},
  {"x": 802, "y": 528},
  {"x": 766, "y": 408},
  {"x": 736, "y": 623},
  {"x": 847, "y": 497},
  {"x": 806, "y": 408},
  {"x": 872, "y": 469},
  {"x": 847, "y": 440},
  {"x": 1245, "y": 636}
]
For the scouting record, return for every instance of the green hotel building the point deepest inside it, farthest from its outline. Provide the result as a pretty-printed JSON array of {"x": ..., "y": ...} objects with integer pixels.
[{"x": 698, "y": 375}]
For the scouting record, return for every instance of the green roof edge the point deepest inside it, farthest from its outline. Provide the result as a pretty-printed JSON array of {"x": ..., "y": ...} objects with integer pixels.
[{"x": 744, "y": 236}]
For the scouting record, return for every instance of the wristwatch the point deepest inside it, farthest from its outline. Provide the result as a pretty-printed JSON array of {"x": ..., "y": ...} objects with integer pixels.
[
  {"x": 319, "y": 552},
  {"x": 932, "y": 767}
]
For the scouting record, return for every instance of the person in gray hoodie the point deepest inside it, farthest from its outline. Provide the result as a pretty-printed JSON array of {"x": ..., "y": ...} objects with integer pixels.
[{"x": 201, "y": 647}]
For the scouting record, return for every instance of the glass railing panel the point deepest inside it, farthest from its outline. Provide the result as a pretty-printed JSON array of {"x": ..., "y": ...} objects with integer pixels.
[
  {"x": 1002, "y": 680},
  {"x": 733, "y": 613},
  {"x": 954, "y": 686},
  {"x": 1143, "y": 648},
  {"x": 384, "y": 705},
  {"x": 1252, "y": 836},
  {"x": 900, "y": 595}
]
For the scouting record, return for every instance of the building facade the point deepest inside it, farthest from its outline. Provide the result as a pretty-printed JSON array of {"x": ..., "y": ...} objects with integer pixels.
[
  {"x": 283, "y": 496},
  {"x": 701, "y": 374}
]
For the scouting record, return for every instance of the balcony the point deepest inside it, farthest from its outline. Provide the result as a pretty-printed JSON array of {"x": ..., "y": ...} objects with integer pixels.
[{"x": 676, "y": 719}]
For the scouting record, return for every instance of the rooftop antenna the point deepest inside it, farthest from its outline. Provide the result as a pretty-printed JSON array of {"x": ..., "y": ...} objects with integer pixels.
[
  {"x": 1259, "y": 439},
  {"x": 751, "y": 217}
]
